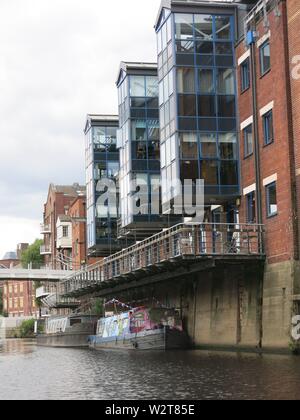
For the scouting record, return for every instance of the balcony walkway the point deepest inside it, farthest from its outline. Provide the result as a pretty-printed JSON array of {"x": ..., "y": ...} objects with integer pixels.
[{"x": 182, "y": 246}]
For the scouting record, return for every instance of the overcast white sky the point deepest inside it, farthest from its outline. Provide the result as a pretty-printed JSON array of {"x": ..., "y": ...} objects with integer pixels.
[{"x": 58, "y": 61}]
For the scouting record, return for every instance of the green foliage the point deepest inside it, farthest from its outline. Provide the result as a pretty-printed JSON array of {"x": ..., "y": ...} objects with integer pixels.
[
  {"x": 97, "y": 307},
  {"x": 26, "y": 329},
  {"x": 32, "y": 255}
]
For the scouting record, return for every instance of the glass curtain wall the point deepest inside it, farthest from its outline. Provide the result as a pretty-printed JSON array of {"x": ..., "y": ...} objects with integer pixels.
[
  {"x": 138, "y": 141},
  {"x": 102, "y": 162},
  {"x": 197, "y": 99}
]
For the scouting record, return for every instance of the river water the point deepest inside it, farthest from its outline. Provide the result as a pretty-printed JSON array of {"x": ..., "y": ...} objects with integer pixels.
[{"x": 29, "y": 372}]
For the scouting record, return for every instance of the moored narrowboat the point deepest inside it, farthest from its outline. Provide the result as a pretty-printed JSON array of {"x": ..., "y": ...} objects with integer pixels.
[
  {"x": 68, "y": 331},
  {"x": 141, "y": 329}
]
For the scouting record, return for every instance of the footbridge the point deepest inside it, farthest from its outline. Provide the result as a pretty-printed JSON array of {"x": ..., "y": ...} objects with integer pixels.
[
  {"x": 44, "y": 274},
  {"x": 175, "y": 251}
]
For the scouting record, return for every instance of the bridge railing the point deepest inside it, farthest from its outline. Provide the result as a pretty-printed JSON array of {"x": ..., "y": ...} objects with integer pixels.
[{"x": 182, "y": 241}]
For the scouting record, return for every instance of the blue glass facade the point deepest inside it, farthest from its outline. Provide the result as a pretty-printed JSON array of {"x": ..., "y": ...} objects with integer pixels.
[
  {"x": 102, "y": 162},
  {"x": 197, "y": 100},
  {"x": 139, "y": 145}
]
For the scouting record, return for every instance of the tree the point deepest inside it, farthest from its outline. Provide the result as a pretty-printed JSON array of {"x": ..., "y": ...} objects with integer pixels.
[{"x": 32, "y": 255}]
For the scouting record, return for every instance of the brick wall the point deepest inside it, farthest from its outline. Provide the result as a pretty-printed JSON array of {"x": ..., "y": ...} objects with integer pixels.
[
  {"x": 293, "y": 21},
  {"x": 276, "y": 158},
  {"x": 77, "y": 212}
]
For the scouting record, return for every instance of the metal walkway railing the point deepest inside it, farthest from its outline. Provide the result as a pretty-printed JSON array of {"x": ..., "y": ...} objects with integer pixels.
[{"x": 184, "y": 241}]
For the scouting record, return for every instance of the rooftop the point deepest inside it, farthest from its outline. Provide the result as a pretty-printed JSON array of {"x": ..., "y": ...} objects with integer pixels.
[
  {"x": 10, "y": 256},
  {"x": 169, "y": 4},
  {"x": 71, "y": 190},
  {"x": 131, "y": 67}
]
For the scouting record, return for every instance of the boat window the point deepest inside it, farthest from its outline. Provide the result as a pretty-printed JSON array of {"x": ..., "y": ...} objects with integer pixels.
[{"x": 75, "y": 322}]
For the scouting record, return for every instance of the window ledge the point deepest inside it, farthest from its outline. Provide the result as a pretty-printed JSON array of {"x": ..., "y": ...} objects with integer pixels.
[
  {"x": 245, "y": 90},
  {"x": 271, "y": 216},
  {"x": 265, "y": 73},
  {"x": 248, "y": 156},
  {"x": 268, "y": 144}
]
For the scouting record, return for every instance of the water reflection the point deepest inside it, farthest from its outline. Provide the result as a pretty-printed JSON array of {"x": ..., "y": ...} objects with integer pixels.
[
  {"x": 16, "y": 347},
  {"x": 28, "y": 372}
]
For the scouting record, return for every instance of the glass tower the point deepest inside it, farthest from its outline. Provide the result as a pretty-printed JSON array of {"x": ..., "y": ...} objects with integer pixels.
[
  {"x": 139, "y": 146},
  {"x": 102, "y": 162},
  {"x": 197, "y": 98}
]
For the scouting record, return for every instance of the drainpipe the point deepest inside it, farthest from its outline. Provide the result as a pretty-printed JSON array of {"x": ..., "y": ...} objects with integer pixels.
[{"x": 251, "y": 41}]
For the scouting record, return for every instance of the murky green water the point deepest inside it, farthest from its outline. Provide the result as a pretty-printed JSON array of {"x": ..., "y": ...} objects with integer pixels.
[{"x": 30, "y": 372}]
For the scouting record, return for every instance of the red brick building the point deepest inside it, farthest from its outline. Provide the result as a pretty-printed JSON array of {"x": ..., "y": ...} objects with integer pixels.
[
  {"x": 269, "y": 135},
  {"x": 58, "y": 203},
  {"x": 77, "y": 214},
  {"x": 19, "y": 299},
  {"x": 18, "y": 296}
]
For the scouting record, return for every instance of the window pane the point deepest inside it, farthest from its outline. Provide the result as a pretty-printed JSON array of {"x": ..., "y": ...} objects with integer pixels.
[
  {"x": 203, "y": 47},
  {"x": 99, "y": 138},
  {"x": 268, "y": 128},
  {"x": 159, "y": 42},
  {"x": 203, "y": 26},
  {"x": 228, "y": 146},
  {"x": 208, "y": 145},
  {"x": 139, "y": 131},
  {"x": 137, "y": 86},
  {"x": 248, "y": 141},
  {"x": 153, "y": 150},
  {"x": 187, "y": 124},
  {"x": 185, "y": 59},
  {"x": 228, "y": 173},
  {"x": 173, "y": 145},
  {"x": 189, "y": 169},
  {"x": 152, "y": 86},
  {"x": 163, "y": 155},
  {"x": 265, "y": 58},
  {"x": 251, "y": 208},
  {"x": 171, "y": 82},
  {"x": 184, "y": 26},
  {"x": 272, "y": 199},
  {"x": 206, "y": 81},
  {"x": 112, "y": 169},
  {"x": 188, "y": 145},
  {"x": 139, "y": 150},
  {"x": 223, "y": 27},
  {"x": 186, "y": 80},
  {"x": 161, "y": 93},
  {"x": 226, "y": 106},
  {"x": 226, "y": 81},
  {"x": 209, "y": 172},
  {"x": 187, "y": 105},
  {"x": 138, "y": 102},
  {"x": 206, "y": 106},
  {"x": 185, "y": 47},
  {"x": 223, "y": 48},
  {"x": 245, "y": 75},
  {"x": 153, "y": 130}
]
